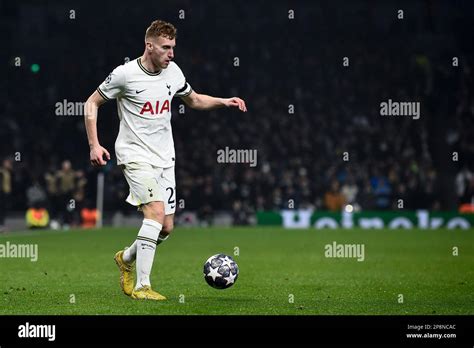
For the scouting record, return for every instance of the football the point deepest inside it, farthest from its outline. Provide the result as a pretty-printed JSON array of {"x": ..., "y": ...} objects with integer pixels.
[{"x": 221, "y": 271}]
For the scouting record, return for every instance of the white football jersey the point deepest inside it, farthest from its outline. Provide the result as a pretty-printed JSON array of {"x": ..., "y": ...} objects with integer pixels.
[{"x": 144, "y": 109}]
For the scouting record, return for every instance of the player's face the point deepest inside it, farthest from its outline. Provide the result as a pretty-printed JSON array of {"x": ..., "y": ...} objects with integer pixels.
[{"x": 162, "y": 51}]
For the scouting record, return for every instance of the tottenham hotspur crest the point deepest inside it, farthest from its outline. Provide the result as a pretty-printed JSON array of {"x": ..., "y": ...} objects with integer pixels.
[{"x": 107, "y": 80}]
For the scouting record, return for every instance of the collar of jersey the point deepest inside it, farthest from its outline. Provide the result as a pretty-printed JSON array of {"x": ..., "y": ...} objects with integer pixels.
[{"x": 145, "y": 70}]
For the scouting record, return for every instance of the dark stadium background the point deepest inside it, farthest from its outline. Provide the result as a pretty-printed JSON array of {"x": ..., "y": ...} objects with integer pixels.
[
  {"x": 282, "y": 62},
  {"x": 421, "y": 274}
]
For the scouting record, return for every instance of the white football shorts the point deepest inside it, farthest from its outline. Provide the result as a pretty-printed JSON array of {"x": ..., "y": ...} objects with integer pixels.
[{"x": 148, "y": 183}]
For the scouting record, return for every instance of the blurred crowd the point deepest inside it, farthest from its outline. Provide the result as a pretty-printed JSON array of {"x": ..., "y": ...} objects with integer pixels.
[{"x": 315, "y": 123}]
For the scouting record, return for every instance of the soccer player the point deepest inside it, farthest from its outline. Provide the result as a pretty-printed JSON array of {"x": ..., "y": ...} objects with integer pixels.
[{"x": 144, "y": 88}]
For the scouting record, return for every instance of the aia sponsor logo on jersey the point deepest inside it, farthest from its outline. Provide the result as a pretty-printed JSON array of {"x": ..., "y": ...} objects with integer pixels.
[{"x": 156, "y": 108}]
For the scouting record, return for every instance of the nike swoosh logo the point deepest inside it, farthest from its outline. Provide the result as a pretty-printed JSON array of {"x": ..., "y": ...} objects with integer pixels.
[
  {"x": 172, "y": 207},
  {"x": 140, "y": 91}
]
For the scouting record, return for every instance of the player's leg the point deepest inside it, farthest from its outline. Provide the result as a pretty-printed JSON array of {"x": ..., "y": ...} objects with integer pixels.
[
  {"x": 160, "y": 215},
  {"x": 145, "y": 247},
  {"x": 168, "y": 226},
  {"x": 157, "y": 225},
  {"x": 153, "y": 211},
  {"x": 146, "y": 194},
  {"x": 147, "y": 239},
  {"x": 130, "y": 253},
  {"x": 168, "y": 188},
  {"x": 166, "y": 180}
]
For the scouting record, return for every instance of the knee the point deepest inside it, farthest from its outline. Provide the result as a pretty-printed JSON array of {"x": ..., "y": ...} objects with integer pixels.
[
  {"x": 168, "y": 227},
  {"x": 154, "y": 211}
]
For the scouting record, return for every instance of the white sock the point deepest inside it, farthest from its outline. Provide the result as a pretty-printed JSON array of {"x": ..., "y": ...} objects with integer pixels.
[
  {"x": 130, "y": 254},
  {"x": 146, "y": 245}
]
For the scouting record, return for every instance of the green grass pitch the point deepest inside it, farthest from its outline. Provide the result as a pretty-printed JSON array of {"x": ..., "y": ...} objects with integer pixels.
[{"x": 281, "y": 272}]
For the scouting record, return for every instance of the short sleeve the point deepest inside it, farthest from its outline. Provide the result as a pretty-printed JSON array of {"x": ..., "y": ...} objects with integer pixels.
[
  {"x": 114, "y": 84},
  {"x": 184, "y": 91},
  {"x": 184, "y": 88}
]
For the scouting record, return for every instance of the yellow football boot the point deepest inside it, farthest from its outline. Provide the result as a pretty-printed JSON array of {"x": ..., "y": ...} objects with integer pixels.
[
  {"x": 126, "y": 273},
  {"x": 146, "y": 293}
]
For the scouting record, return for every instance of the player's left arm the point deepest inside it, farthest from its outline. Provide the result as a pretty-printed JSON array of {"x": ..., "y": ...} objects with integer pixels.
[{"x": 205, "y": 102}]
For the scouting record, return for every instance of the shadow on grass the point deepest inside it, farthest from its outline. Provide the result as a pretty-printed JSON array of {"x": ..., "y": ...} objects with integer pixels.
[{"x": 223, "y": 299}]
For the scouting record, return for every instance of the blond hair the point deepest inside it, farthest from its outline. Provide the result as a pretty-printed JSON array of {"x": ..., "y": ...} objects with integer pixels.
[{"x": 161, "y": 28}]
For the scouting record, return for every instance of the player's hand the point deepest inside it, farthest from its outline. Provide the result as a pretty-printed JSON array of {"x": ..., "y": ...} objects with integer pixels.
[
  {"x": 236, "y": 102},
  {"x": 97, "y": 156}
]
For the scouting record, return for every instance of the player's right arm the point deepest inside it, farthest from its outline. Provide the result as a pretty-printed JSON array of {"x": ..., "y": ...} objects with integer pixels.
[
  {"x": 91, "y": 108},
  {"x": 111, "y": 88}
]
